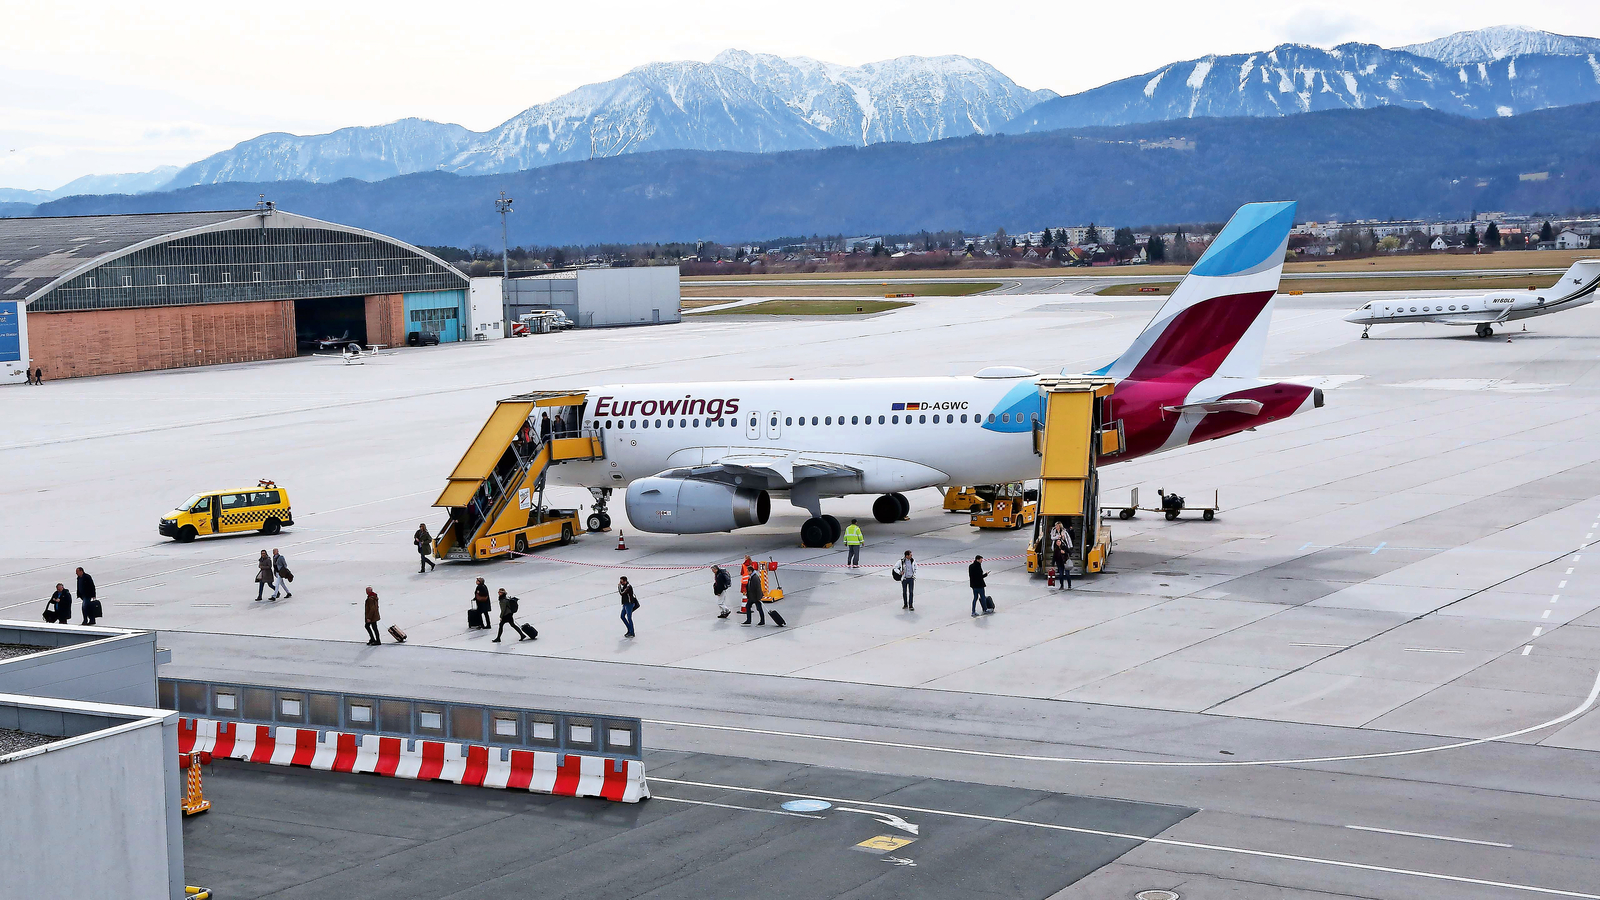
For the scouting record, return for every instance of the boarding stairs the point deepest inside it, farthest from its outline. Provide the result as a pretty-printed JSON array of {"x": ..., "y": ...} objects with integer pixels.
[
  {"x": 1070, "y": 439},
  {"x": 498, "y": 486}
]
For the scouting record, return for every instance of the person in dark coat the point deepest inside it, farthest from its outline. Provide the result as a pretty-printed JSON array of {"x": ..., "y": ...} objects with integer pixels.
[
  {"x": 424, "y": 542},
  {"x": 508, "y": 609},
  {"x": 372, "y": 617},
  {"x": 544, "y": 427},
  {"x": 85, "y": 595},
  {"x": 61, "y": 604},
  {"x": 264, "y": 574},
  {"x": 752, "y": 598},
  {"x": 480, "y": 596},
  {"x": 630, "y": 602},
  {"x": 720, "y": 582},
  {"x": 977, "y": 578}
]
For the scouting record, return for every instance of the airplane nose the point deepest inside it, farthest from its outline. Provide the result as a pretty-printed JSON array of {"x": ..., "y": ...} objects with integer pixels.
[{"x": 1354, "y": 316}]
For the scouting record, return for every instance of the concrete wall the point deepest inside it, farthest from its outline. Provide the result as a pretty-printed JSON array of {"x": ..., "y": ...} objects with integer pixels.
[
  {"x": 486, "y": 305},
  {"x": 102, "y": 665},
  {"x": 386, "y": 319},
  {"x": 641, "y": 295},
  {"x": 98, "y": 815},
  {"x": 104, "y": 342}
]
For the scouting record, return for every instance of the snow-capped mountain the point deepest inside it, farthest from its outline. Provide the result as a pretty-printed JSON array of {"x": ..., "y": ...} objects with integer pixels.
[
  {"x": 1500, "y": 42},
  {"x": 660, "y": 106},
  {"x": 913, "y": 98},
  {"x": 1294, "y": 78},
  {"x": 368, "y": 153}
]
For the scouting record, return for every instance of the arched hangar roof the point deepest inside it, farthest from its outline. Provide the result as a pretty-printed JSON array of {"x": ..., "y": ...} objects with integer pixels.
[{"x": 72, "y": 263}]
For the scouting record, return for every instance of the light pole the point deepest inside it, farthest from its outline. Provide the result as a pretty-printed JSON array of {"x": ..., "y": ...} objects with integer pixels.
[{"x": 504, "y": 206}]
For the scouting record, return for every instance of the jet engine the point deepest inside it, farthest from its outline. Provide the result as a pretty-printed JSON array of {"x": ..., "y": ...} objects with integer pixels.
[{"x": 691, "y": 506}]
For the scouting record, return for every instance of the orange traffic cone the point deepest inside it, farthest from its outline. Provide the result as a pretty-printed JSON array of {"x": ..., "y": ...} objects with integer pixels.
[{"x": 621, "y": 544}]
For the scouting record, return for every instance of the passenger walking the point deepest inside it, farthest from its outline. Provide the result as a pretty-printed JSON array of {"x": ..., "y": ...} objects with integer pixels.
[
  {"x": 630, "y": 602},
  {"x": 977, "y": 578},
  {"x": 61, "y": 605},
  {"x": 281, "y": 574},
  {"x": 88, "y": 600},
  {"x": 907, "y": 570},
  {"x": 753, "y": 592},
  {"x": 720, "y": 582},
  {"x": 424, "y": 542},
  {"x": 853, "y": 539},
  {"x": 480, "y": 596},
  {"x": 544, "y": 427},
  {"x": 263, "y": 574},
  {"x": 1061, "y": 555},
  {"x": 372, "y": 617},
  {"x": 508, "y": 610},
  {"x": 38, "y": 375}
]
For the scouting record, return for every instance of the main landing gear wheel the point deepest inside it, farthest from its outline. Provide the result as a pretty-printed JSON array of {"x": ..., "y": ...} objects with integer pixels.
[
  {"x": 905, "y": 505},
  {"x": 815, "y": 533},
  {"x": 1485, "y": 330},
  {"x": 593, "y": 523},
  {"x": 834, "y": 529},
  {"x": 887, "y": 509}
]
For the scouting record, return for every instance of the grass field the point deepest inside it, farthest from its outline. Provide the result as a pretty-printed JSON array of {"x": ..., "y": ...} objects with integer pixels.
[
  {"x": 1485, "y": 282},
  {"x": 810, "y": 308},
  {"x": 1505, "y": 259},
  {"x": 933, "y": 289}
]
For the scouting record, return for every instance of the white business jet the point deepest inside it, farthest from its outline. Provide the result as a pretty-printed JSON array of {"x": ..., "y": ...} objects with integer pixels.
[{"x": 1576, "y": 288}]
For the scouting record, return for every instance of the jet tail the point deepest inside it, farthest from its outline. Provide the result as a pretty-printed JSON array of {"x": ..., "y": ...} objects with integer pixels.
[
  {"x": 1215, "y": 323},
  {"x": 1580, "y": 281}
]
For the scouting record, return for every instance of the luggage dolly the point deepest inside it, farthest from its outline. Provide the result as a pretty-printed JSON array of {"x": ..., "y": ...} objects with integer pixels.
[{"x": 1171, "y": 506}]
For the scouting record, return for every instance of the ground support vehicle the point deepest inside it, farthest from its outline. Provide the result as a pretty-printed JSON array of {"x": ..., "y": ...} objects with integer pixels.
[
  {"x": 264, "y": 508},
  {"x": 1171, "y": 506}
]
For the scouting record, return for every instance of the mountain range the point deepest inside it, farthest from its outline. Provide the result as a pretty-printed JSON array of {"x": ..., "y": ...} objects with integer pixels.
[
  {"x": 1344, "y": 164},
  {"x": 760, "y": 103}
]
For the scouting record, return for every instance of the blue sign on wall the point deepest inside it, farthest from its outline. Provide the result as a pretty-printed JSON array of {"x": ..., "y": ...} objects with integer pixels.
[{"x": 10, "y": 333}]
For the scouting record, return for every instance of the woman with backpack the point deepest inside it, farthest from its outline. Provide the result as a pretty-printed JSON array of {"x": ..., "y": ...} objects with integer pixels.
[
  {"x": 508, "y": 610},
  {"x": 629, "y": 603},
  {"x": 720, "y": 582}
]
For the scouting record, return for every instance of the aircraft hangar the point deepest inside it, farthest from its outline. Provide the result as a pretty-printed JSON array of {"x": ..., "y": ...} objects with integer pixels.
[{"x": 97, "y": 295}]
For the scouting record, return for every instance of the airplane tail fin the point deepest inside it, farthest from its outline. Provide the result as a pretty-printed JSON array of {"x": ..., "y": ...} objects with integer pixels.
[
  {"x": 1215, "y": 323},
  {"x": 1582, "y": 280}
]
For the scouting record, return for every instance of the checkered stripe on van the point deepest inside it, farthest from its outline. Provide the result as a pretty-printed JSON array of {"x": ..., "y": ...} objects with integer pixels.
[{"x": 252, "y": 516}]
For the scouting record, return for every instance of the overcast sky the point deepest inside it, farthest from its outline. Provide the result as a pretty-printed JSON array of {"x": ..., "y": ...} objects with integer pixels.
[{"x": 103, "y": 87}]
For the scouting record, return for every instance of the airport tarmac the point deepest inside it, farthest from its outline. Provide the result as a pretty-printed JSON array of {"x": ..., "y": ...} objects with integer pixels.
[{"x": 1400, "y": 570}]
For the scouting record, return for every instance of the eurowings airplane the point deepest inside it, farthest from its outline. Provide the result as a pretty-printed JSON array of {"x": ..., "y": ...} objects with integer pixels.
[
  {"x": 1576, "y": 288},
  {"x": 706, "y": 457}
]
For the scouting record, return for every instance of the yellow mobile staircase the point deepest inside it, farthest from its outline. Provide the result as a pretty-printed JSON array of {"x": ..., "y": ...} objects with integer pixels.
[
  {"x": 495, "y": 495},
  {"x": 1069, "y": 439}
]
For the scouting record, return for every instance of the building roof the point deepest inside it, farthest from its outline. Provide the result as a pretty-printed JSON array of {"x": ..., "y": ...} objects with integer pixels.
[{"x": 37, "y": 251}]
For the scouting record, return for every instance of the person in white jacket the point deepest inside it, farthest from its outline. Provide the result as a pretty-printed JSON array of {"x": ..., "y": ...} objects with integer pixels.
[{"x": 908, "y": 581}]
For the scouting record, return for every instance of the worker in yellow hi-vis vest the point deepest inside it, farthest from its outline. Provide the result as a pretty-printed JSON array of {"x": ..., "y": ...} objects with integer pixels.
[{"x": 853, "y": 541}]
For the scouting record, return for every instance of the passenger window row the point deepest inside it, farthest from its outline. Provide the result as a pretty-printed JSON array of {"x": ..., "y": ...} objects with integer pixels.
[{"x": 792, "y": 421}]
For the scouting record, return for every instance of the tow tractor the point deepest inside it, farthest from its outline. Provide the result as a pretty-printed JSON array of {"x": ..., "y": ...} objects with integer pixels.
[
  {"x": 1007, "y": 506},
  {"x": 495, "y": 496}
]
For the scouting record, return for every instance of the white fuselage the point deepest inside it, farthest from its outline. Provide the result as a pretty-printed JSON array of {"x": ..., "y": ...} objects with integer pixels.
[
  {"x": 1508, "y": 306},
  {"x": 945, "y": 438}
]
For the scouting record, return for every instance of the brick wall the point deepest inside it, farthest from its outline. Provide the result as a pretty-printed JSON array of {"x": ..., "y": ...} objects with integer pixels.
[
  {"x": 386, "y": 319},
  {"x": 104, "y": 342}
]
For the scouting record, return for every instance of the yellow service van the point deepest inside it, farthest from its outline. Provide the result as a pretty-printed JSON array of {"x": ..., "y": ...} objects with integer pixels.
[{"x": 263, "y": 508}]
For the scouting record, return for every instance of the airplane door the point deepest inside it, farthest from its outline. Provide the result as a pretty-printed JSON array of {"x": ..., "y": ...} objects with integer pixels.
[
  {"x": 774, "y": 429},
  {"x": 753, "y": 426}
]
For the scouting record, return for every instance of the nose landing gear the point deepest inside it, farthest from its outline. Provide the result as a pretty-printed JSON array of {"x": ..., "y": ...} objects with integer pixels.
[{"x": 600, "y": 518}]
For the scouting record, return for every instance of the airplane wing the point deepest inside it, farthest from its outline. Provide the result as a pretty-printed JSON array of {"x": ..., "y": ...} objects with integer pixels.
[
  {"x": 1489, "y": 316},
  {"x": 780, "y": 469}
]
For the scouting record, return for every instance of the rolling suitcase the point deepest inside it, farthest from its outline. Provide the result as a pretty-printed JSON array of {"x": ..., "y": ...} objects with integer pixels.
[
  {"x": 987, "y": 603},
  {"x": 398, "y": 635},
  {"x": 776, "y": 617},
  {"x": 474, "y": 618},
  {"x": 531, "y": 632}
]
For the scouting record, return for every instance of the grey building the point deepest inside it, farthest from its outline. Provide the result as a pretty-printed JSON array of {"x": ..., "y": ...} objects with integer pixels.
[{"x": 600, "y": 298}]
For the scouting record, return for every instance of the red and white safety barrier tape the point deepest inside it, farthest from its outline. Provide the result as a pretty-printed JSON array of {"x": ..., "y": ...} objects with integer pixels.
[{"x": 539, "y": 771}]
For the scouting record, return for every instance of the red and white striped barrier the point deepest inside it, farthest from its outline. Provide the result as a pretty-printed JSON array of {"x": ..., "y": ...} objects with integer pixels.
[{"x": 539, "y": 771}]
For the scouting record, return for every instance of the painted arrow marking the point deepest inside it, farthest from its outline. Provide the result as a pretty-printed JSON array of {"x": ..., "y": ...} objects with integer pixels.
[
  {"x": 889, "y": 819},
  {"x": 899, "y": 861}
]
